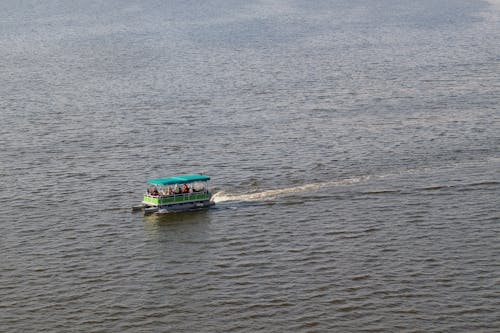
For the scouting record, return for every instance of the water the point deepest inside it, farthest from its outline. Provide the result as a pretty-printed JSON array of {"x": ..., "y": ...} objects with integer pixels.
[{"x": 354, "y": 147}]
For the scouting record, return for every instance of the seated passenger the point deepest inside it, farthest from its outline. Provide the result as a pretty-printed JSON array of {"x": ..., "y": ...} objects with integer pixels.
[
  {"x": 169, "y": 190},
  {"x": 185, "y": 189},
  {"x": 177, "y": 190}
]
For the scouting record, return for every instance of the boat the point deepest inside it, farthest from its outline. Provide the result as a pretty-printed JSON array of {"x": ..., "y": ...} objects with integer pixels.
[{"x": 176, "y": 194}]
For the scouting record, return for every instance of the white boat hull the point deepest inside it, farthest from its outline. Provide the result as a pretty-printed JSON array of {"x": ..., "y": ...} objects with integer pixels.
[{"x": 177, "y": 207}]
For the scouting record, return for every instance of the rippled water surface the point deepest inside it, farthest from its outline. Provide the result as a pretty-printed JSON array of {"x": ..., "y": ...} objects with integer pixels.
[{"x": 354, "y": 149}]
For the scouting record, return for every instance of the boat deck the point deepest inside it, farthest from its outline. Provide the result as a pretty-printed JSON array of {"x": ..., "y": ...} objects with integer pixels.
[{"x": 158, "y": 200}]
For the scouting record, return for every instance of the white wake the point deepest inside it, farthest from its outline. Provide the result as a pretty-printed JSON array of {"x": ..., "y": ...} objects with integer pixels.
[
  {"x": 222, "y": 196},
  {"x": 272, "y": 194}
]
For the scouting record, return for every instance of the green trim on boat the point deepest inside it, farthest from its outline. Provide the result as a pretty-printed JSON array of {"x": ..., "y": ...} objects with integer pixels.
[{"x": 175, "y": 199}]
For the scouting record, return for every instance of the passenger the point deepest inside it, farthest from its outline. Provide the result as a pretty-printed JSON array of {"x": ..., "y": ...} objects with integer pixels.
[
  {"x": 169, "y": 190},
  {"x": 155, "y": 191},
  {"x": 185, "y": 189},
  {"x": 177, "y": 190}
]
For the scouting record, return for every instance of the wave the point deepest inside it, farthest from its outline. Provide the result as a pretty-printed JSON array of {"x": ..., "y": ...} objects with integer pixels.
[
  {"x": 222, "y": 196},
  {"x": 494, "y": 2},
  {"x": 463, "y": 187}
]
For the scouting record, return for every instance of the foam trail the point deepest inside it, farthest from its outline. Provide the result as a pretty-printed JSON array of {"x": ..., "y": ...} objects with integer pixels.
[
  {"x": 271, "y": 194},
  {"x": 494, "y": 2}
]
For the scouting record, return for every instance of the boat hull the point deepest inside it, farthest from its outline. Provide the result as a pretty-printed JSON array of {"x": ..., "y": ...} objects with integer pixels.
[{"x": 180, "y": 203}]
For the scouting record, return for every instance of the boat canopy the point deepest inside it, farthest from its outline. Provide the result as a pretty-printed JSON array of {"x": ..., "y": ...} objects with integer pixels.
[{"x": 184, "y": 179}]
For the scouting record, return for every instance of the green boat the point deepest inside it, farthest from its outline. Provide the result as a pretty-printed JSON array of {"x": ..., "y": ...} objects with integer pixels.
[{"x": 175, "y": 194}]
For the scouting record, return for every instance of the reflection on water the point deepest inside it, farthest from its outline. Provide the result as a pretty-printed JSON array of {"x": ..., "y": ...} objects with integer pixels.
[{"x": 192, "y": 223}]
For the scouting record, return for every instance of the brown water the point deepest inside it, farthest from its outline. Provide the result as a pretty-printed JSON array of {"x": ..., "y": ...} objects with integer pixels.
[{"x": 354, "y": 148}]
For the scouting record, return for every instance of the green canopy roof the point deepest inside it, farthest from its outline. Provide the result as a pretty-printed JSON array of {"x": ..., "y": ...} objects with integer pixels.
[{"x": 184, "y": 179}]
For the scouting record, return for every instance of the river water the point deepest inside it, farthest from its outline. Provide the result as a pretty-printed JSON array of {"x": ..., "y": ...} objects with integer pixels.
[{"x": 353, "y": 145}]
